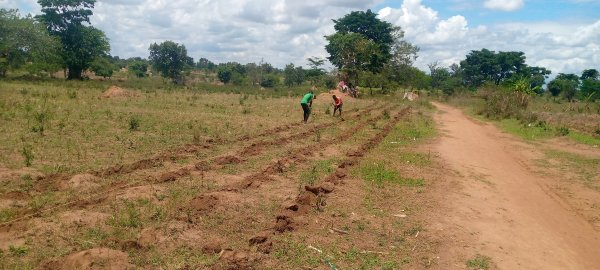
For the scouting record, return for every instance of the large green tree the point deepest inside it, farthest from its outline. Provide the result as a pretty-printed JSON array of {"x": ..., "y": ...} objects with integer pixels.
[
  {"x": 590, "y": 85},
  {"x": 25, "y": 40},
  {"x": 362, "y": 42},
  {"x": 81, "y": 43},
  {"x": 499, "y": 67},
  {"x": 169, "y": 59}
]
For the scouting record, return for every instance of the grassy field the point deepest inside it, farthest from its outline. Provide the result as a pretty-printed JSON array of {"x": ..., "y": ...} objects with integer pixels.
[{"x": 207, "y": 177}]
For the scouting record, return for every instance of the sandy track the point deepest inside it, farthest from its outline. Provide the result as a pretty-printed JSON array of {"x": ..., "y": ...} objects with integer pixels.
[{"x": 502, "y": 209}]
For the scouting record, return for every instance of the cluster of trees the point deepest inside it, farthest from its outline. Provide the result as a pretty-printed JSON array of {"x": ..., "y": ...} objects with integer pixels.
[
  {"x": 61, "y": 37},
  {"x": 570, "y": 86},
  {"x": 372, "y": 52}
]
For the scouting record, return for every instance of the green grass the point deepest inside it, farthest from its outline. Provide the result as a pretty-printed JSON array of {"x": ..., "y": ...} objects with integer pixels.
[
  {"x": 516, "y": 128},
  {"x": 320, "y": 168},
  {"x": 584, "y": 138},
  {"x": 378, "y": 174},
  {"x": 479, "y": 262}
]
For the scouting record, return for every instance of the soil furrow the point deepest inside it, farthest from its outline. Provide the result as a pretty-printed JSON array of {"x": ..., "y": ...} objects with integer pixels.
[
  {"x": 199, "y": 165},
  {"x": 290, "y": 216}
]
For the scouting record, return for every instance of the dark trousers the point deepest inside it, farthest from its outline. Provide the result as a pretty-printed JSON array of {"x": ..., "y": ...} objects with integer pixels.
[
  {"x": 337, "y": 108},
  {"x": 306, "y": 110}
]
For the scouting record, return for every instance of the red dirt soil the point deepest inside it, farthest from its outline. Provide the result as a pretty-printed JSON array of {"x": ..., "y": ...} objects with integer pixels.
[{"x": 503, "y": 209}]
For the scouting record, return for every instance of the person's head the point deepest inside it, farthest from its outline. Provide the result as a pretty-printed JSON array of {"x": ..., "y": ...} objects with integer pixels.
[
  {"x": 312, "y": 92},
  {"x": 334, "y": 97}
]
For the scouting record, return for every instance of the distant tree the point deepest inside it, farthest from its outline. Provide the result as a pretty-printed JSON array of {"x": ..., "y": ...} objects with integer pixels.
[
  {"x": 315, "y": 63},
  {"x": 590, "y": 74},
  {"x": 170, "y": 59},
  {"x": 565, "y": 84},
  {"x": 138, "y": 68},
  {"x": 362, "y": 42},
  {"x": 81, "y": 44},
  {"x": 269, "y": 80},
  {"x": 24, "y": 40},
  {"x": 224, "y": 73},
  {"x": 299, "y": 76},
  {"x": 590, "y": 85},
  {"x": 205, "y": 64},
  {"x": 289, "y": 75},
  {"x": 103, "y": 66}
]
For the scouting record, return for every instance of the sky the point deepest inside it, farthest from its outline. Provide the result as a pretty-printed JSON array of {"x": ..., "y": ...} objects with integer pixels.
[{"x": 562, "y": 35}]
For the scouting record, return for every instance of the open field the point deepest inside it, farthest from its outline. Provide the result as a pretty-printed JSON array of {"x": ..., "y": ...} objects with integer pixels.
[
  {"x": 185, "y": 179},
  {"x": 194, "y": 178}
]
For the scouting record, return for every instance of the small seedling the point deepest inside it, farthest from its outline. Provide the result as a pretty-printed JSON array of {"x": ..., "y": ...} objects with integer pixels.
[
  {"x": 134, "y": 123},
  {"x": 386, "y": 114},
  {"x": 27, "y": 154}
]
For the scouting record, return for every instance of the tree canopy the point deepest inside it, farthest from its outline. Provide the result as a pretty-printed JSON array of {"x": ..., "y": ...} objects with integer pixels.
[
  {"x": 169, "y": 59},
  {"x": 498, "y": 67},
  {"x": 362, "y": 42},
  {"x": 22, "y": 40},
  {"x": 81, "y": 44}
]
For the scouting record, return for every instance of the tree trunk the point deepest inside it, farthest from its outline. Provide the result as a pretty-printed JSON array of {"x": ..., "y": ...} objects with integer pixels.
[{"x": 74, "y": 73}]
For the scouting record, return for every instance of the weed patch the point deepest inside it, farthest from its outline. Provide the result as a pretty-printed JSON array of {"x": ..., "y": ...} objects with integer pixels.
[
  {"x": 479, "y": 262},
  {"x": 379, "y": 175}
]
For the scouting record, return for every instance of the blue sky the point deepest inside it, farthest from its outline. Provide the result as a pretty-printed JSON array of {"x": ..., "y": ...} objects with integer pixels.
[{"x": 532, "y": 11}]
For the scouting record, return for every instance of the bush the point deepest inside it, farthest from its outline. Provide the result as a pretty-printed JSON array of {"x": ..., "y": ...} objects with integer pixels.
[
  {"x": 500, "y": 104},
  {"x": 563, "y": 131},
  {"x": 134, "y": 123}
]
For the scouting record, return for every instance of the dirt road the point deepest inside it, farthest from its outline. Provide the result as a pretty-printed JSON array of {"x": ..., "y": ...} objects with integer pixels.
[{"x": 501, "y": 207}]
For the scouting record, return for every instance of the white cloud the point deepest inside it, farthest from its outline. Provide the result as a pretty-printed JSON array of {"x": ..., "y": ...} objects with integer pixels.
[
  {"x": 284, "y": 31},
  {"x": 561, "y": 47},
  {"x": 504, "y": 5}
]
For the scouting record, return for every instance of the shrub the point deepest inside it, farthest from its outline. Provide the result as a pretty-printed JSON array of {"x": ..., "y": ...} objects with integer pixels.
[
  {"x": 562, "y": 131},
  {"x": 134, "y": 123},
  {"x": 27, "y": 154}
]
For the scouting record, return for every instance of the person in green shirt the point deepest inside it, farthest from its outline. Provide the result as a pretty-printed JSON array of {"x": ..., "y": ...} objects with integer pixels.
[{"x": 306, "y": 104}]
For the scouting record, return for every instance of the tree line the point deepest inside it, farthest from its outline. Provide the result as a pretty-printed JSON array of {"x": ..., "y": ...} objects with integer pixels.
[{"x": 364, "y": 50}]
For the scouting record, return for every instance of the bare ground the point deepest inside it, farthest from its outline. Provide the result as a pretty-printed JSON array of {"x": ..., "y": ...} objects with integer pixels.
[{"x": 498, "y": 204}]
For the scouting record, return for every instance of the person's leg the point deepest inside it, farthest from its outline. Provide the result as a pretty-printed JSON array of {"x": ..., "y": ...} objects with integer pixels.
[
  {"x": 305, "y": 109},
  {"x": 335, "y": 108},
  {"x": 340, "y": 109}
]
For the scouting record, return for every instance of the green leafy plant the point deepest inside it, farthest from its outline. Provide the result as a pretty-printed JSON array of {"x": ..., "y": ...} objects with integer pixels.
[
  {"x": 134, "y": 123},
  {"x": 27, "y": 153}
]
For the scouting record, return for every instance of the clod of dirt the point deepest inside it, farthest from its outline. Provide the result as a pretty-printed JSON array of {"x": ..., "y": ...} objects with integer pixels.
[
  {"x": 93, "y": 259},
  {"x": 255, "y": 180},
  {"x": 336, "y": 177},
  {"x": 115, "y": 91},
  {"x": 202, "y": 166},
  {"x": 290, "y": 205},
  {"x": 130, "y": 245},
  {"x": 228, "y": 160},
  {"x": 236, "y": 259},
  {"x": 284, "y": 223},
  {"x": 259, "y": 238},
  {"x": 346, "y": 164},
  {"x": 149, "y": 237},
  {"x": 212, "y": 247},
  {"x": 326, "y": 187},
  {"x": 173, "y": 175},
  {"x": 204, "y": 203},
  {"x": 307, "y": 199},
  {"x": 262, "y": 242},
  {"x": 83, "y": 182}
]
